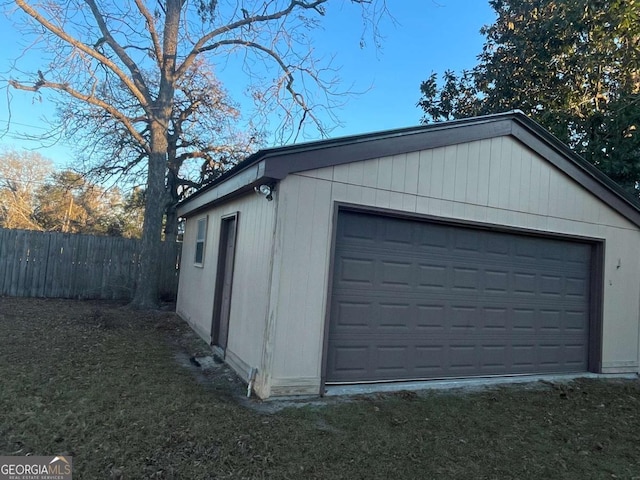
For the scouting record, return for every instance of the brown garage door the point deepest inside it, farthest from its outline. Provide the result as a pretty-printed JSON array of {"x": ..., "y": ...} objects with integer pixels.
[{"x": 420, "y": 300}]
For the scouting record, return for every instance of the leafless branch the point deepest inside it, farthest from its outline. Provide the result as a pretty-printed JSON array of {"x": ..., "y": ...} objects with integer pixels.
[
  {"x": 92, "y": 100},
  {"x": 141, "y": 95}
]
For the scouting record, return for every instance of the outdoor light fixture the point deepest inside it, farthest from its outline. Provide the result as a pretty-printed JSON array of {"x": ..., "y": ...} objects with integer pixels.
[{"x": 266, "y": 190}]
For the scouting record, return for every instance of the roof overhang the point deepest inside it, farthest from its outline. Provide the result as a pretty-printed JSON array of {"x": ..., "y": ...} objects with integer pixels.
[{"x": 272, "y": 165}]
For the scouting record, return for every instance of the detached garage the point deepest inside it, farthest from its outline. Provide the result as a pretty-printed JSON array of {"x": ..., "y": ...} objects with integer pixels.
[{"x": 475, "y": 248}]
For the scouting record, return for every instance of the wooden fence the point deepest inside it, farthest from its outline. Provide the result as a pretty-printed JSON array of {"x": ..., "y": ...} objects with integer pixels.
[{"x": 63, "y": 265}]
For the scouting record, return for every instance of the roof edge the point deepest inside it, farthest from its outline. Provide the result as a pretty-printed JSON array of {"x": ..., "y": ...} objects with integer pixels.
[
  {"x": 273, "y": 164},
  {"x": 351, "y": 141},
  {"x": 545, "y": 144}
]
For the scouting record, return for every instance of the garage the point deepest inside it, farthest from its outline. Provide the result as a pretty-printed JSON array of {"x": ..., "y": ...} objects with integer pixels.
[
  {"x": 415, "y": 300},
  {"x": 476, "y": 248}
]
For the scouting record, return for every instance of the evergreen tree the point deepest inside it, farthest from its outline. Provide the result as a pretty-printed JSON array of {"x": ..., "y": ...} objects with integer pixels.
[{"x": 571, "y": 65}]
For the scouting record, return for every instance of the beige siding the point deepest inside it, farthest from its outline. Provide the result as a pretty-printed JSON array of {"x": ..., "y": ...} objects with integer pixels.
[
  {"x": 491, "y": 181},
  {"x": 251, "y": 279},
  {"x": 303, "y": 240},
  {"x": 195, "y": 290}
]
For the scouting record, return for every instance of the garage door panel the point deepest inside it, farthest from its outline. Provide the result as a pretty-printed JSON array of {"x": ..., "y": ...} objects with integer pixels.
[
  {"x": 432, "y": 276},
  {"x": 576, "y": 321},
  {"x": 417, "y": 300},
  {"x": 356, "y": 271},
  {"x": 494, "y": 357},
  {"x": 354, "y": 313},
  {"x": 396, "y": 273},
  {"x": 364, "y": 231},
  {"x": 436, "y": 239},
  {"x": 523, "y": 356},
  {"x": 397, "y": 234},
  {"x": 496, "y": 319},
  {"x": 496, "y": 281},
  {"x": 527, "y": 248},
  {"x": 391, "y": 359},
  {"x": 394, "y": 318},
  {"x": 467, "y": 243},
  {"x": 551, "y": 285},
  {"x": 577, "y": 288},
  {"x": 429, "y": 358},
  {"x": 578, "y": 256},
  {"x": 465, "y": 278},
  {"x": 497, "y": 246},
  {"x": 431, "y": 318},
  {"x": 524, "y": 283},
  {"x": 350, "y": 361}
]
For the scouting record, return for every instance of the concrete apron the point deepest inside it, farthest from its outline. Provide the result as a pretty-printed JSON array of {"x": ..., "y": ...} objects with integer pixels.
[{"x": 464, "y": 383}]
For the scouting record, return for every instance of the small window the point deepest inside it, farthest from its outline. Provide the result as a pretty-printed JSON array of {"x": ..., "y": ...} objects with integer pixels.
[{"x": 200, "y": 241}]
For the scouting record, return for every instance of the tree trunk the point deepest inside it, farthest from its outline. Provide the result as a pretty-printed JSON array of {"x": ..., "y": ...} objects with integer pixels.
[
  {"x": 147, "y": 295},
  {"x": 171, "y": 225},
  {"x": 171, "y": 219}
]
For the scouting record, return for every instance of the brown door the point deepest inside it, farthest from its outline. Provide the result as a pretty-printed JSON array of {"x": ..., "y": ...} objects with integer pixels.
[
  {"x": 417, "y": 300},
  {"x": 224, "y": 282}
]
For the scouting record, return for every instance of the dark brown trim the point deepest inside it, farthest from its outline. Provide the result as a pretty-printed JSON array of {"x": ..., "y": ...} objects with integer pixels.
[
  {"x": 596, "y": 303},
  {"x": 327, "y": 314},
  {"x": 398, "y": 138},
  {"x": 385, "y": 146},
  {"x": 596, "y": 310},
  {"x": 220, "y": 271},
  {"x": 276, "y": 163},
  {"x": 579, "y": 172}
]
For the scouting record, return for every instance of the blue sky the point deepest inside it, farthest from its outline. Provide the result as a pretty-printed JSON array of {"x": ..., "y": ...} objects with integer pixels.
[{"x": 429, "y": 36}]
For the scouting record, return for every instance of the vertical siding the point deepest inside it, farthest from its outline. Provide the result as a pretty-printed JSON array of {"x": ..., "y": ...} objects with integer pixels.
[
  {"x": 306, "y": 240},
  {"x": 251, "y": 277},
  {"x": 491, "y": 181},
  {"x": 622, "y": 268},
  {"x": 196, "y": 286}
]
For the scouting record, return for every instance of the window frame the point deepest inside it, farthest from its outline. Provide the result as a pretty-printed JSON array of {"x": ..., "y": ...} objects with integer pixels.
[{"x": 200, "y": 241}]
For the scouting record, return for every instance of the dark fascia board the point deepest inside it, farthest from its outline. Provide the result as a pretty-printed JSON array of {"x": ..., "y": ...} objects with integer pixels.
[
  {"x": 276, "y": 163},
  {"x": 389, "y": 144},
  {"x": 564, "y": 159}
]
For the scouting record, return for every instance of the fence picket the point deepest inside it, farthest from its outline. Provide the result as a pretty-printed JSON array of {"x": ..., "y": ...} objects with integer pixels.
[{"x": 62, "y": 265}]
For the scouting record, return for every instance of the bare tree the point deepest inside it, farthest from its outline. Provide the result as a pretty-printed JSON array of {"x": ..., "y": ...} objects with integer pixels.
[
  {"x": 203, "y": 141},
  {"x": 111, "y": 46}
]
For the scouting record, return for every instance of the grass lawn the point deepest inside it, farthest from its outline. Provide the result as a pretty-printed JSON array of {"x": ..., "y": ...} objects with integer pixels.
[{"x": 104, "y": 384}]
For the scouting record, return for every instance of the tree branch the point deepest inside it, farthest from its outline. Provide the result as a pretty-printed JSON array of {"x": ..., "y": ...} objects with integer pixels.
[
  {"x": 157, "y": 49},
  {"x": 201, "y": 45},
  {"x": 119, "y": 51},
  {"x": 297, "y": 97},
  {"x": 60, "y": 33},
  {"x": 114, "y": 112}
]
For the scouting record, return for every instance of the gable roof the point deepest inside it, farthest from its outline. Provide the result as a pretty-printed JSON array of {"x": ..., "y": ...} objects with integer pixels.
[{"x": 270, "y": 165}]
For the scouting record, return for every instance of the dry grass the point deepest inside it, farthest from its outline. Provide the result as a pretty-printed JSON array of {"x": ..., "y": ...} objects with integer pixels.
[{"x": 102, "y": 383}]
